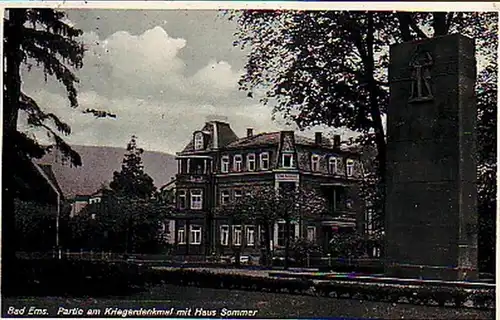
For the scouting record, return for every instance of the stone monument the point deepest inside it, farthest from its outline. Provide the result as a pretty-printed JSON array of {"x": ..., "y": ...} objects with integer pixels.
[{"x": 431, "y": 211}]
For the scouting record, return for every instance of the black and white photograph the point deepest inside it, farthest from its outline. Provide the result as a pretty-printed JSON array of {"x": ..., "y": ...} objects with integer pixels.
[{"x": 294, "y": 160}]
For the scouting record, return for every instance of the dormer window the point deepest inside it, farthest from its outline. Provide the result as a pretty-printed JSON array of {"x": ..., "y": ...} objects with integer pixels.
[
  {"x": 237, "y": 163},
  {"x": 198, "y": 141},
  {"x": 314, "y": 162},
  {"x": 350, "y": 167},
  {"x": 264, "y": 161},
  {"x": 334, "y": 164},
  {"x": 287, "y": 160},
  {"x": 251, "y": 162},
  {"x": 224, "y": 166}
]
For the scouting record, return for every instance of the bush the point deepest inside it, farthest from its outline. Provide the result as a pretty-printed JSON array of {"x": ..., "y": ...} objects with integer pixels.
[
  {"x": 302, "y": 248},
  {"x": 76, "y": 278}
]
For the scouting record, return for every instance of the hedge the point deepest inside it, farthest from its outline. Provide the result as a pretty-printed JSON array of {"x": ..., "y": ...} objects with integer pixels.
[
  {"x": 44, "y": 277},
  {"x": 415, "y": 294}
]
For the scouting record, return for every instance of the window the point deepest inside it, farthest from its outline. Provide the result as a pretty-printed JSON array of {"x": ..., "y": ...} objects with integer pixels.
[
  {"x": 311, "y": 233},
  {"x": 181, "y": 235},
  {"x": 237, "y": 163},
  {"x": 224, "y": 164},
  {"x": 237, "y": 194},
  {"x": 282, "y": 233},
  {"x": 251, "y": 162},
  {"x": 237, "y": 235},
  {"x": 264, "y": 161},
  {"x": 196, "y": 199},
  {"x": 195, "y": 234},
  {"x": 288, "y": 160},
  {"x": 224, "y": 197},
  {"x": 198, "y": 141},
  {"x": 350, "y": 167},
  {"x": 250, "y": 235},
  {"x": 182, "y": 199},
  {"x": 262, "y": 235},
  {"x": 314, "y": 162},
  {"x": 333, "y": 165},
  {"x": 224, "y": 235}
]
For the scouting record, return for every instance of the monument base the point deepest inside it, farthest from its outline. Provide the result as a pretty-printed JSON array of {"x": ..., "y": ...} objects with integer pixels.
[{"x": 430, "y": 272}]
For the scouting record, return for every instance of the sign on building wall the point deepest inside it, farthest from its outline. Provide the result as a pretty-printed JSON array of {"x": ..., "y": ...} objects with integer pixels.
[{"x": 287, "y": 177}]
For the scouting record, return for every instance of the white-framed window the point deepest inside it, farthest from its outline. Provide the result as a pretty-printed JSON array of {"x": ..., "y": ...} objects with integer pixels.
[
  {"x": 194, "y": 234},
  {"x": 237, "y": 235},
  {"x": 238, "y": 194},
  {"x": 224, "y": 197},
  {"x": 224, "y": 235},
  {"x": 287, "y": 160},
  {"x": 311, "y": 233},
  {"x": 250, "y": 235},
  {"x": 282, "y": 234},
  {"x": 237, "y": 163},
  {"x": 314, "y": 162},
  {"x": 334, "y": 164},
  {"x": 198, "y": 141},
  {"x": 181, "y": 199},
  {"x": 251, "y": 162},
  {"x": 224, "y": 164},
  {"x": 196, "y": 199},
  {"x": 264, "y": 161},
  {"x": 350, "y": 167},
  {"x": 181, "y": 235}
]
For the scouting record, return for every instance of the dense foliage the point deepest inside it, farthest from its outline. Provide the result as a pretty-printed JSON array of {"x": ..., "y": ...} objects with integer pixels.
[
  {"x": 128, "y": 217},
  {"x": 264, "y": 206},
  {"x": 330, "y": 68}
]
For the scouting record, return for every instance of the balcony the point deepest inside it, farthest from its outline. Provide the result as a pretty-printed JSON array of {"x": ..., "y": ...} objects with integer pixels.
[
  {"x": 192, "y": 178},
  {"x": 196, "y": 169}
]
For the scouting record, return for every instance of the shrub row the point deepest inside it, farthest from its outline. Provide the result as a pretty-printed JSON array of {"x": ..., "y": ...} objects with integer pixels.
[
  {"x": 75, "y": 278},
  {"x": 415, "y": 294},
  {"x": 207, "y": 279}
]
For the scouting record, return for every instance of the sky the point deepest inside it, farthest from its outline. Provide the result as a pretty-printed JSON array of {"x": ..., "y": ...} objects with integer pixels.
[{"x": 162, "y": 72}]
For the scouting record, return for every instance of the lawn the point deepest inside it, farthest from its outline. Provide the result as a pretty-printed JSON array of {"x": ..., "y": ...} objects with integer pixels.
[{"x": 166, "y": 297}]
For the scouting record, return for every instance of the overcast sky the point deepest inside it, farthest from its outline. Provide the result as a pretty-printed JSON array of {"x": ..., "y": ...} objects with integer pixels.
[{"x": 162, "y": 73}]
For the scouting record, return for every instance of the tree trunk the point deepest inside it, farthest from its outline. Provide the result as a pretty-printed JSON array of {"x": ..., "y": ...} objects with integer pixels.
[
  {"x": 375, "y": 110},
  {"x": 439, "y": 24},
  {"x": 267, "y": 245},
  {"x": 287, "y": 244},
  {"x": 12, "y": 93}
]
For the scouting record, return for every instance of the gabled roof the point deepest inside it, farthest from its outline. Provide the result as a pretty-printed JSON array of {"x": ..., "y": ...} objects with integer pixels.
[
  {"x": 218, "y": 134},
  {"x": 35, "y": 182},
  {"x": 273, "y": 138},
  {"x": 47, "y": 170}
]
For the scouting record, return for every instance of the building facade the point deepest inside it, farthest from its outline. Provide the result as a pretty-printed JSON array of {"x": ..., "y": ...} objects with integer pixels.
[{"x": 217, "y": 166}]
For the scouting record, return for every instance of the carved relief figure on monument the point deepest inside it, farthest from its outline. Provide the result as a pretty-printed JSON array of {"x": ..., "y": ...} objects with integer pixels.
[{"x": 421, "y": 63}]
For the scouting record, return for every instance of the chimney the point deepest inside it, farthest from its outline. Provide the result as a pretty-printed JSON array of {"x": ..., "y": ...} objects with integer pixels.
[
  {"x": 249, "y": 132},
  {"x": 336, "y": 140},
  {"x": 318, "y": 139}
]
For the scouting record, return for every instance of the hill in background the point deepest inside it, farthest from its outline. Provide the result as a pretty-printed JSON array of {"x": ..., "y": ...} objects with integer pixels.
[{"x": 99, "y": 163}]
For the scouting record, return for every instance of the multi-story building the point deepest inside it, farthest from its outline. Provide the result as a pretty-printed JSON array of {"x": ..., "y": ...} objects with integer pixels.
[{"x": 216, "y": 166}]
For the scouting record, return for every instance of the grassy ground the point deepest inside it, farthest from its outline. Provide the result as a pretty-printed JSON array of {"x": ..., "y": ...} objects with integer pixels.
[{"x": 266, "y": 304}]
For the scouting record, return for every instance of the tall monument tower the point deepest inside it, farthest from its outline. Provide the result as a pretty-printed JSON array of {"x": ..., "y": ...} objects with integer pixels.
[{"x": 431, "y": 211}]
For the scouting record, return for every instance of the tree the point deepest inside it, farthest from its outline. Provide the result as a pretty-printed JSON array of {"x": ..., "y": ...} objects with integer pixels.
[
  {"x": 40, "y": 37},
  {"x": 34, "y": 226},
  {"x": 330, "y": 68},
  {"x": 132, "y": 181},
  {"x": 120, "y": 224},
  {"x": 264, "y": 206}
]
